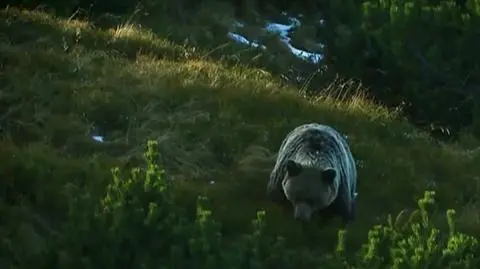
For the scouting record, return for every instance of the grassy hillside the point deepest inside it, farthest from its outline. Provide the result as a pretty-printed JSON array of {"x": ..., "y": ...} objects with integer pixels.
[{"x": 218, "y": 128}]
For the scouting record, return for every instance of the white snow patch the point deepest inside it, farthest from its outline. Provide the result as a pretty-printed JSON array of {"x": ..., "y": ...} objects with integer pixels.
[
  {"x": 238, "y": 24},
  {"x": 282, "y": 30},
  {"x": 97, "y": 138},
  {"x": 242, "y": 39}
]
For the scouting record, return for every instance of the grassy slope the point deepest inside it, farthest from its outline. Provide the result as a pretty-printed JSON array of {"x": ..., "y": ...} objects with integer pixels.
[{"x": 59, "y": 79}]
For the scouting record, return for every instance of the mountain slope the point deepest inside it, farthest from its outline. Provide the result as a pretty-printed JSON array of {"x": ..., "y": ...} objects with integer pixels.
[{"x": 218, "y": 127}]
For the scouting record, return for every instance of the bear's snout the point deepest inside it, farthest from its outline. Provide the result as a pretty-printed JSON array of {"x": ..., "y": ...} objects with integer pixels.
[{"x": 302, "y": 212}]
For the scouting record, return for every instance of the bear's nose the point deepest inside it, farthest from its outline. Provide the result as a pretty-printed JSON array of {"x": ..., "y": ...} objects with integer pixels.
[
  {"x": 301, "y": 216},
  {"x": 302, "y": 212}
]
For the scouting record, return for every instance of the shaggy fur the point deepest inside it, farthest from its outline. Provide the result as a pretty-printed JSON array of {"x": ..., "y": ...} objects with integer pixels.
[{"x": 315, "y": 171}]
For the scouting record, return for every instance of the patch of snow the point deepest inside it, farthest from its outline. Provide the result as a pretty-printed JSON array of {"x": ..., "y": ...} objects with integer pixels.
[
  {"x": 97, "y": 138},
  {"x": 282, "y": 30},
  {"x": 313, "y": 57},
  {"x": 238, "y": 24},
  {"x": 242, "y": 39},
  {"x": 294, "y": 21}
]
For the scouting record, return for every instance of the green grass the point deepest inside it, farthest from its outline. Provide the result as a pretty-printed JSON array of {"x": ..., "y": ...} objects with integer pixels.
[{"x": 215, "y": 122}]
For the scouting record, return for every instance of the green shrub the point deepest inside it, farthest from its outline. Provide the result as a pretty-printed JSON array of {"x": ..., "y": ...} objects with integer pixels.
[
  {"x": 136, "y": 224},
  {"x": 418, "y": 54},
  {"x": 414, "y": 242}
]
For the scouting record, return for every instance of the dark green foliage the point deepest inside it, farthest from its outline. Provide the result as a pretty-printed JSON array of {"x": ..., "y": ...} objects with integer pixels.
[
  {"x": 137, "y": 224},
  {"x": 421, "y": 55}
]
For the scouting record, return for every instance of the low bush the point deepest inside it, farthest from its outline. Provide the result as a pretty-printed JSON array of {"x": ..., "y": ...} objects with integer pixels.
[{"x": 137, "y": 224}]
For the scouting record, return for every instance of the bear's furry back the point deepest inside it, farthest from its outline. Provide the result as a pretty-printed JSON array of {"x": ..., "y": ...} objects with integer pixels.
[{"x": 317, "y": 145}]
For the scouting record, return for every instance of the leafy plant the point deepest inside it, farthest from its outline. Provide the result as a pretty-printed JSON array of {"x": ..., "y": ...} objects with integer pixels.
[
  {"x": 415, "y": 242},
  {"x": 137, "y": 225}
]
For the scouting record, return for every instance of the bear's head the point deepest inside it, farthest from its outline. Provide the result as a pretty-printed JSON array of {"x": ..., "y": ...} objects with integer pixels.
[{"x": 309, "y": 188}]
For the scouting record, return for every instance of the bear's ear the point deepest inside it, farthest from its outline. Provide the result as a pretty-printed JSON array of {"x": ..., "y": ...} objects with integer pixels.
[
  {"x": 328, "y": 175},
  {"x": 293, "y": 168}
]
